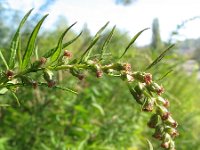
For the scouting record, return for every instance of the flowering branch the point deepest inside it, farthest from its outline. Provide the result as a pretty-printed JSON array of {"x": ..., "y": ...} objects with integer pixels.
[{"x": 145, "y": 91}]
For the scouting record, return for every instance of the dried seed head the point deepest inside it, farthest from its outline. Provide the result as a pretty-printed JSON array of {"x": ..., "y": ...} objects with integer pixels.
[
  {"x": 148, "y": 78},
  {"x": 127, "y": 67},
  {"x": 99, "y": 73},
  {"x": 67, "y": 54}
]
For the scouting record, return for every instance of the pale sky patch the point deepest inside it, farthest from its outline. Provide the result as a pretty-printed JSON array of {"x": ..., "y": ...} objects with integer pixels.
[{"x": 132, "y": 18}]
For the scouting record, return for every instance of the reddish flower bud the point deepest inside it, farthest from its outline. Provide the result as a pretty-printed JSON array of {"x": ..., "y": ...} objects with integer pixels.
[
  {"x": 160, "y": 90},
  {"x": 173, "y": 132},
  {"x": 67, "y": 53},
  {"x": 162, "y": 101},
  {"x": 80, "y": 76},
  {"x": 9, "y": 73},
  {"x": 158, "y": 134},
  {"x": 148, "y": 105},
  {"x": 153, "y": 121},
  {"x": 165, "y": 115},
  {"x": 34, "y": 84},
  {"x": 165, "y": 145},
  {"x": 99, "y": 73},
  {"x": 42, "y": 60},
  {"x": 171, "y": 122},
  {"x": 163, "y": 112},
  {"x": 148, "y": 78},
  {"x": 127, "y": 67},
  {"x": 51, "y": 83}
]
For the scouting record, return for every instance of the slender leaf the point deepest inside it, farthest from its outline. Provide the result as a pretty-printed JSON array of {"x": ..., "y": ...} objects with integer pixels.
[
  {"x": 3, "y": 59},
  {"x": 31, "y": 44},
  {"x": 99, "y": 108},
  {"x": 57, "y": 51},
  {"x": 160, "y": 57},
  {"x": 50, "y": 52},
  {"x": 150, "y": 145},
  {"x": 66, "y": 89},
  {"x": 105, "y": 44},
  {"x": 93, "y": 42},
  {"x": 15, "y": 96},
  {"x": 19, "y": 56},
  {"x": 15, "y": 41},
  {"x": 132, "y": 41},
  {"x": 166, "y": 74}
]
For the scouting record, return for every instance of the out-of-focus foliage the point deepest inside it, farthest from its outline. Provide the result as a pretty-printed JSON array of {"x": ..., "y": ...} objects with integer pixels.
[
  {"x": 103, "y": 116},
  {"x": 156, "y": 42}
]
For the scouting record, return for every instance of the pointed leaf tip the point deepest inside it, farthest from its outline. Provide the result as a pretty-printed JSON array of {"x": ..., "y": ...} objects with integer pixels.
[
  {"x": 160, "y": 57},
  {"x": 31, "y": 43},
  {"x": 132, "y": 41}
]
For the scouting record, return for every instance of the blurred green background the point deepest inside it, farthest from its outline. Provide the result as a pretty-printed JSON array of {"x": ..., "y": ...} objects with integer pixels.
[{"x": 104, "y": 116}]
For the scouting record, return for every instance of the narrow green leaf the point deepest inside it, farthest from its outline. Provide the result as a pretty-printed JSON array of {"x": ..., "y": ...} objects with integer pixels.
[
  {"x": 166, "y": 74},
  {"x": 50, "y": 52},
  {"x": 93, "y": 42},
  {"x": 132, "y": 41},
  {"x": 31, "y": 44},
  {"x": 99, "y": 108},
  {"x": 57, "y": 51},
  {"x": 4, "y": 61},
  {"x": 15, "y": 41},
  {"x": 15, "y": 96},
  {"x": 19, "y": 55},
  {"x": 150, "y": 145},
  {"x": 66, "y": 89},
  {"x": 105, "y": 44},
  {"x": 160, "y": 57}
]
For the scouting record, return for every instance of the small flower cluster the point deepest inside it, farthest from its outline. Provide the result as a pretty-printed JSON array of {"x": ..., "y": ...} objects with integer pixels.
[{"x": 148, "y": 94}]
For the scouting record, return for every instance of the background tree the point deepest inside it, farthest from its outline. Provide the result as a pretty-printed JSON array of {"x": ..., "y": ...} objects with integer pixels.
[{"x": 156, "y": 42}]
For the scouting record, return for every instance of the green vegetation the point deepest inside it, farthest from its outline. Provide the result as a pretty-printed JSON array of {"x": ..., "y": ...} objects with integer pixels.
[{"x": 104, "y": 115}]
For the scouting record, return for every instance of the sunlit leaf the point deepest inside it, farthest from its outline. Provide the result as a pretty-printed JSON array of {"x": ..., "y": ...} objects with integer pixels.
[
  {"x": 132, "y": 41},
  {"x": 3, "y": 59},
  {"x": 31, "y": 44},
  {"x": 57, "y": 51},
  {"x": 16, "y": 40},
  {"x": 50, "y": 52},
  {"x": 93, "y": 42},
  {"x": 150, "y": 145},
  {"x": 160, "y": 57},
  {"x": 106, "y": 42}
]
